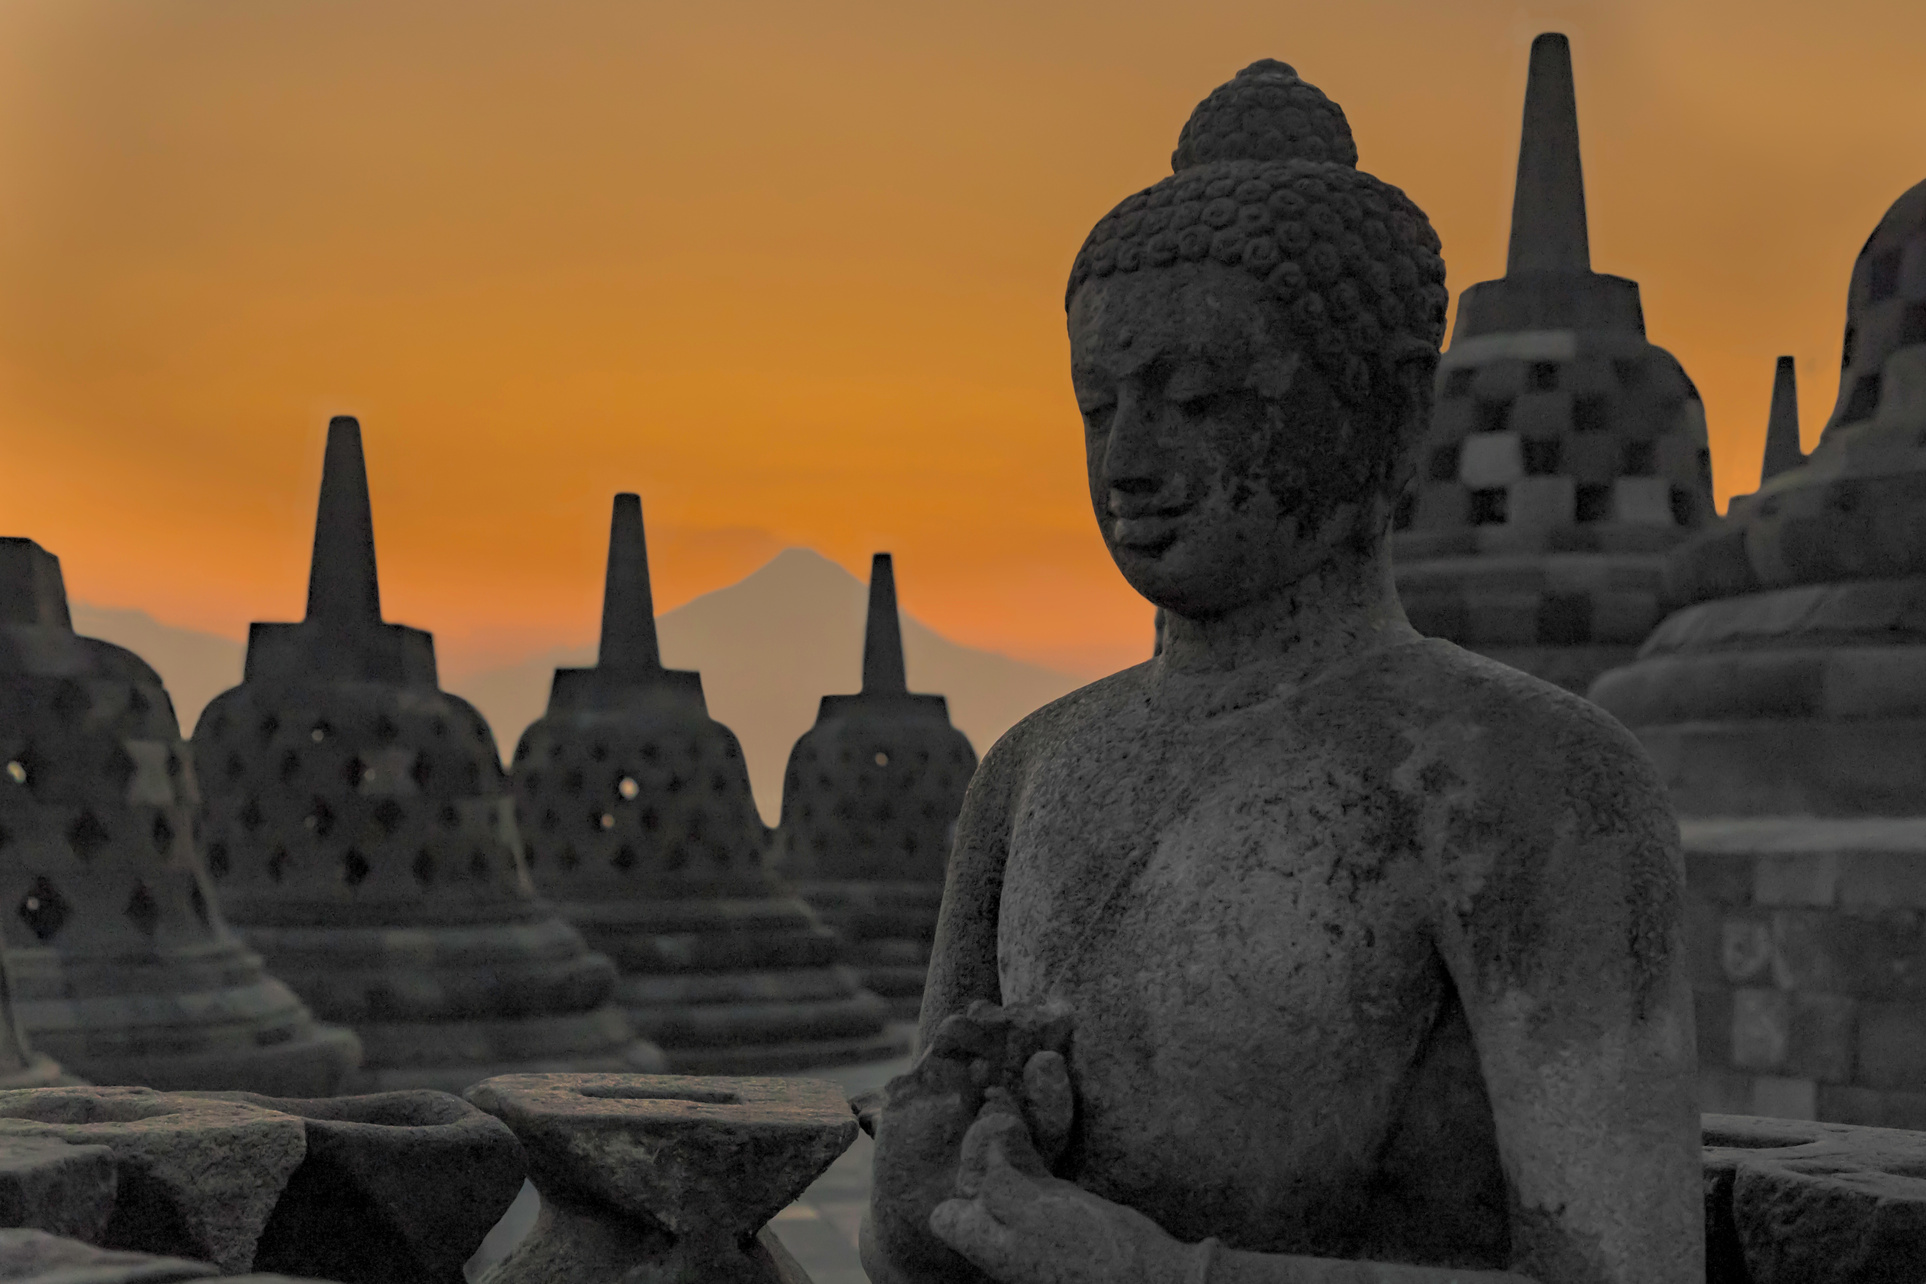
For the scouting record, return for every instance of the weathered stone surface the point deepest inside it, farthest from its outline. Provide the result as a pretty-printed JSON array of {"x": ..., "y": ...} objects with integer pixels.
[
  {"x": 98, "y": 806},
  {"x": 56, "y": 1186},
  {"x": 640, "y": 824},
  {"x": 647, "y": 1177},
  {"x": 395, "y": 1188},
  {"x": 37, "y": 1257},
  {"x": 1813, "y": 1203},
  {"x": 869, "y": 806},
  {"x": 1279, "y": 874},
  {"x": 196, "y": 1177},
  {"x": 1565, "y": 453},
  {"x": 362, "y": 835}
]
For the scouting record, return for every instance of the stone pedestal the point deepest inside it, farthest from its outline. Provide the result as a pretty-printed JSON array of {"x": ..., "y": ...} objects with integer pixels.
[
  {"x": 121, "y": 965},
  {"x": 648, "y": 1178},
  {"x": 1785, "y": 708},
  {"x": 641, "y": 826},
  {"x": 1565, "y": 454},
  {"x": 869, "y": 807},
  {"x": 362, "y": 835}
]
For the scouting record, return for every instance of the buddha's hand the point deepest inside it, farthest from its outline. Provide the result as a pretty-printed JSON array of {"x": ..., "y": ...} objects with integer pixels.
[
  {"x": 1014, "y": 1055},
  {"x": 1019, "y": 1225}
]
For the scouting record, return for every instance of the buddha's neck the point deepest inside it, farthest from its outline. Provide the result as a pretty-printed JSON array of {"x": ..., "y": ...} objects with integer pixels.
[{"x": 1346, "y": 608}]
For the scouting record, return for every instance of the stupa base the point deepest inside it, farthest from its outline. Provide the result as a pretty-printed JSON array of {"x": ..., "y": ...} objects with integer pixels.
[
  {"x": 889, "y": 928},
  {"x": 753, "y": 1022},
  {"x": 203, "y": 1020},
  {"x": 450, "y": 1056}
]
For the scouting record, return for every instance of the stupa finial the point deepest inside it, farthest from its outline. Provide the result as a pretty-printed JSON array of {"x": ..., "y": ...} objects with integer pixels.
[
  {"x": 883, "y": 672},
  {"x": 1548, "y": 208},
  {"x": 628, "y": 606},
  {"x": 342, "y": 586},
  {"x": 1782, "y": 451}
]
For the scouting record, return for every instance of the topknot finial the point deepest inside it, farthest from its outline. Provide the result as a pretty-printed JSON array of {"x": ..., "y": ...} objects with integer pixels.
[
  {"x": 343, "y": 588},
  {"x": 1267, "y": 112}
]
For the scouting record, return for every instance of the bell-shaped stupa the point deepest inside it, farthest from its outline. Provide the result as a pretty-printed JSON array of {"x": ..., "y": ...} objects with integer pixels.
[
  {"x": 1795, "y": 681},
  {"x": 1566, "y": 454},
  {"x": 362, "y": 835},
  {"x": 641, "y": 826},
  {"x": 121, "y": 965},
  {"x": 869, "y": 806}
]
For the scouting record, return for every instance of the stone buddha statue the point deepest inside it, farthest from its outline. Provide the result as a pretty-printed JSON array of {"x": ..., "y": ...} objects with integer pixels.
[{"x": 1312, "y": 948}]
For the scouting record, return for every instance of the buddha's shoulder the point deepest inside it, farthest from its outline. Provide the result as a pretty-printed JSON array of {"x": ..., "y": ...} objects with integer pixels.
[{"x": 1520, "y": 734}]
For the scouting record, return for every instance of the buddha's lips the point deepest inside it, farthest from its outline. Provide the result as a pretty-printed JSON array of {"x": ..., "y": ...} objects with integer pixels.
[{"x": 1151, "y": 533}]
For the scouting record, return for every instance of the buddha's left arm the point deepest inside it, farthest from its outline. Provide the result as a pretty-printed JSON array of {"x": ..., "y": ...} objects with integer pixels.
[{"x": 1560, "y": 917}]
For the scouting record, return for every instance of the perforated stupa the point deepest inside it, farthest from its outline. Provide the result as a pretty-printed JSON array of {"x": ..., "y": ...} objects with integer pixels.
[
  {"x": 361, "y": 832},
  {"x": 121, "y": 965},
  {"x": 869, "y": 807},
  {"x": 640, "y": 824},
  {"x": 1566, "y": 454}
]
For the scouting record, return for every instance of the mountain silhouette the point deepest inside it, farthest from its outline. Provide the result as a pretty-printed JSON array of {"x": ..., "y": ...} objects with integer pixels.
[{"x": 769, "y": 648}]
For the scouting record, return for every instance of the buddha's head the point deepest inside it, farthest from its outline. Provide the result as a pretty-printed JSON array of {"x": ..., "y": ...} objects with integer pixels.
[{"x": 1252, "y": 342}]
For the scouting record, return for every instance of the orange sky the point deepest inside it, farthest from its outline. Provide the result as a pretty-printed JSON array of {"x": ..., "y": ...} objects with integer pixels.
[{"x": 794, "y": 272}]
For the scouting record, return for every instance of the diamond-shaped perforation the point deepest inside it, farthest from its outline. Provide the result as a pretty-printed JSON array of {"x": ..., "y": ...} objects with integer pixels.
[
  {"x": 355, "y": 868},
  {"x": 44, "y": 910},
  {"x": 142, "y": 910},
  {"x": 86, "y": 835}
]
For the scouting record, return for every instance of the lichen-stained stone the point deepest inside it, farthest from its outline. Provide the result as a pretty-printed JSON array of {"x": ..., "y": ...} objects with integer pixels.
[
  {"x": 395, "y": 1187},
  {"x": 640, "y": 825},
  {"x": 671, "y": 1177},
  {"x": 869, "y": 805},
  {"x": 56, "y": 1186},
  {"x": 33, "y": 1256},
  {"x": 197, "y": 1177},
  {"x": 362, "y": 836},
  {"x": 121, "y": 965},
  {"x": 1790, "y": 1202},
  {"x": 1565, "y": 452}
]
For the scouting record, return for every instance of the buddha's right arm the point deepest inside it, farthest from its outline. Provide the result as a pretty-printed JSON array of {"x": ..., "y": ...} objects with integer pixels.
[{"x": 963, "y": 957}]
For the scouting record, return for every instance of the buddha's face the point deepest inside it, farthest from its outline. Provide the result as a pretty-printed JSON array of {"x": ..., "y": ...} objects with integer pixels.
[{"x": 1195, "y": 400}]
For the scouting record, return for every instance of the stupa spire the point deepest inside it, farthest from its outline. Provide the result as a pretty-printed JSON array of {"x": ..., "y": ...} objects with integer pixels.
[
  {"x": 1548, "y": 208},
  {"x": 342, "y": 586},
  {"x": 628, "y": 606},
  {"x": 883, "y": 639},
  {"x": 1782, "y": 451}
]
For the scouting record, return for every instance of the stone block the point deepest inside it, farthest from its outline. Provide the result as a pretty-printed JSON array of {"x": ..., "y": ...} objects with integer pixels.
[
  {"x": 1642, "y": 501},
  {"x": 1892, "y": 1046},
  {"x": 395, "y": 1188},
  {"x": 1724, "y": 1091},
  {"x": 664, "y": 1173},
  {"x": 1797, "y": 878},
  {"x": 1813, "y": 1203},
  {"x": 1872, "y": 1107},
  {"x": 1760, "y": 1021},
  {"x": 1869, "y": 955},
  {"x": 56, "y": 1186},
  {"x": 198, "y": 1178},
  {"x": 1490, "y": 459},
  {"x": 1712, "y": 1020},
  {"x": 1724, "y": 878},
  {"x": 35, "y": 1257},
  {"x": 1541, "y": 502},
  {"x": 1745, "y": 947},
  {"x": 1820, "y": 1041},
  {"x": 1703, "y": 941},
  {"x": 1782, "y": 1098},
  {"x": 1882, "y": 880}
]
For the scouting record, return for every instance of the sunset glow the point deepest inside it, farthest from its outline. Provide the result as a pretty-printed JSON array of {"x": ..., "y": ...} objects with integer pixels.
[{"x": 794, "y": 273}]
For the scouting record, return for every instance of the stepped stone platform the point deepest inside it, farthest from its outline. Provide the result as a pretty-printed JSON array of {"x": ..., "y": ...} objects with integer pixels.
[
  {"x": 362, "y": 835},
  {"x": 121, "y": 965},
  {"x": 1784, "y": 706},
  {"x": 640, "y": 824},
  {"x": 869, "y": 808},
  {"x": 1566, "y": 453}
]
